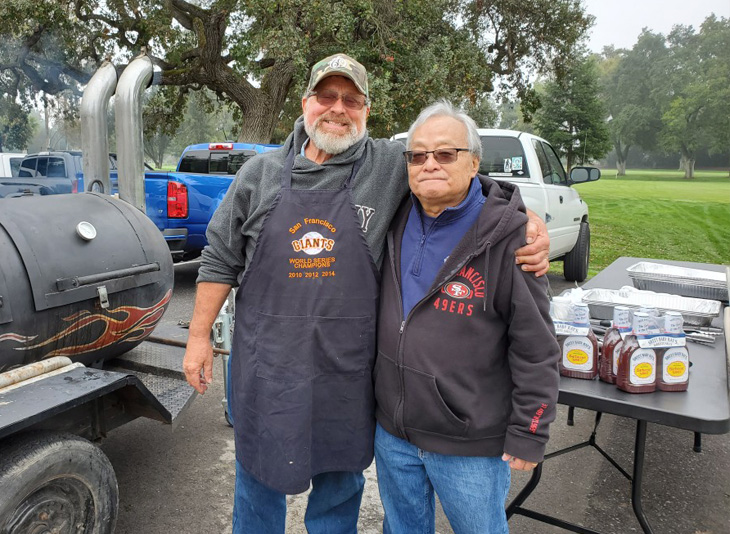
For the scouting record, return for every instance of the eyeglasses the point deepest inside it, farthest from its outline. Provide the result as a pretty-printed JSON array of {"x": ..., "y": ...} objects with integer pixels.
[
  {"x": 329, "y": 98},
  {"x": 441, "y": 155}
]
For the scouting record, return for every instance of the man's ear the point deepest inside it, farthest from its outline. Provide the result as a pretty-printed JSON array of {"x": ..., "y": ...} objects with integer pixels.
[
  {"x": 367, "y": 112},
  {"x": 304, "y": 103}
]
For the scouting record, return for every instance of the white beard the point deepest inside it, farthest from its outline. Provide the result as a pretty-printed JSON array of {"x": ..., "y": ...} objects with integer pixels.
[{"x": 329, "y": 142}]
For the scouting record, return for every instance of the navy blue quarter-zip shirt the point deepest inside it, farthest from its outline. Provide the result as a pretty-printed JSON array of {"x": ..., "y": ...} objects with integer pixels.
[{"x": 428, "y": 241}]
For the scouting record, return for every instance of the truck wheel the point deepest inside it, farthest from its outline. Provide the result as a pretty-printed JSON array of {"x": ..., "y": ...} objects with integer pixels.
[
  {"x": 54, "y": 482},
  {"x": 575, "y": 264}
]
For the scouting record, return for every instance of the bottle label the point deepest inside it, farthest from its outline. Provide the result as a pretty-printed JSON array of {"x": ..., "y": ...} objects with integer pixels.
[
  {"x": 642, "y": 367},
  {"x": 614, "y": 360},
  {"x": 564, "y": 328},
  {"x": 578, "y": 354},
  {"x": 659, "y": 341},
  {"x": 675, "y": 367}
]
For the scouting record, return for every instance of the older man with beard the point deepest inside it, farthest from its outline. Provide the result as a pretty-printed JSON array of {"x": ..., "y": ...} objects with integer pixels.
[{"x": 302, "y": 231}]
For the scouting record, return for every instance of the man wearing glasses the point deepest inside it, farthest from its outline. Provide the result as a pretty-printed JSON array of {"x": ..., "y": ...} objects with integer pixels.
[
  {"x": 466, "y": 378},
  {"x": 301, "y": 230}
]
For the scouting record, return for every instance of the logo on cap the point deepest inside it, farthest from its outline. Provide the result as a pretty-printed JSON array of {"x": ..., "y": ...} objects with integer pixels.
[{"x": 340, "y": 63}]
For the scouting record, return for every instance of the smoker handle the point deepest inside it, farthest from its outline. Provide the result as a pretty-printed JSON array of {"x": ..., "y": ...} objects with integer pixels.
[{"x": 77, "y": 281}]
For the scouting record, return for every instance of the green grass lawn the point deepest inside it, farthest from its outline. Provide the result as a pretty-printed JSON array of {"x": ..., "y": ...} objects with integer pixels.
[{"x": 657, "y": 214}]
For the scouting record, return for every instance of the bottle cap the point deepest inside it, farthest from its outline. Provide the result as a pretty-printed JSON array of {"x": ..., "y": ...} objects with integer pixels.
[
  {"x": 673, "y": 322},
  {"x": 621, "y": 316},
  {"x": 581, "y": 314},
  {"x": 641, "y": 323}
]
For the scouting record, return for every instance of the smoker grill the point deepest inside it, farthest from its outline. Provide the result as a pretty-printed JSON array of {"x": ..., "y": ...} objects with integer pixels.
[{"x": 84, "y": 275}]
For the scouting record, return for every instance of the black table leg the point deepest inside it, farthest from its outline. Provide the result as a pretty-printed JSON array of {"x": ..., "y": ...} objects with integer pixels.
[
  {"x": 698, "y": 442},
  {"x": 639, "y": 449}
]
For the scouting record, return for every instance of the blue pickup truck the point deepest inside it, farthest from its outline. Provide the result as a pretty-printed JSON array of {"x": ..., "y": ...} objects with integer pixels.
[{"x": 180, "y": 203}]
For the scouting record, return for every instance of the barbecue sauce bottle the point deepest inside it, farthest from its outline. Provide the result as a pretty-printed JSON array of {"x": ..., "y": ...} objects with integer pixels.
[
  {"x": 613, "y": 340},
  {"x": 579, "y": 351},
  {"x": 637, "y": 365},
  {"x": 673, "y": 361}
]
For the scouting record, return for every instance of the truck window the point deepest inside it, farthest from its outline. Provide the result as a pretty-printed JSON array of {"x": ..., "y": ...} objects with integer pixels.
[
  {"x": 15, "y": 166},
  {"x": 27, "y": 168},
  {"x": 503, "y": 156},
  {"x": 56, "y": 168},
  {"x": 543, "y": 161},
  {"x": 556, "y": 168},
  {"x": 42, "y": 168},
  {"x": 195, "y": 161},
  {"x": 205, "y": 162},
  {"x": 238, "y": 158}
]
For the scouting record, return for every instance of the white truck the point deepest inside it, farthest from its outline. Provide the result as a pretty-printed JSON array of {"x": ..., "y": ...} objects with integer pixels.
[{"x": 531, "y": 163}]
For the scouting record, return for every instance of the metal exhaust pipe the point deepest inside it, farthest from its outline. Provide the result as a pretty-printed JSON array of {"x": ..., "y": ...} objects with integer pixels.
[
  {"x": 94, "y": 137},
  {"x": 130, "y": 142}
]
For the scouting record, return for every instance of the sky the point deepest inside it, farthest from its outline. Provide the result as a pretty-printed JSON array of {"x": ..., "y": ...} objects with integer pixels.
[{"x": 619, "y": 22}]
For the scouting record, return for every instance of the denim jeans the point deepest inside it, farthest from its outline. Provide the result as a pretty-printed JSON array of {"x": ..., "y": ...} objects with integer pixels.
[
  {"x": 332, "y": 508},
  {"x": 472, "y": 489}
]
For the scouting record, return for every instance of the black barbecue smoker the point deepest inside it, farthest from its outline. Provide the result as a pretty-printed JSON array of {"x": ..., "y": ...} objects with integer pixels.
[{"x": 84, "y": 280}]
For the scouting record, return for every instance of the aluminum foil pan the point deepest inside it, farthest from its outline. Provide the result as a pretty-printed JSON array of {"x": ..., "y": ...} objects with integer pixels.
[
  {"x": 696, "y": 312},
  {"x": 683, "y": 281}
]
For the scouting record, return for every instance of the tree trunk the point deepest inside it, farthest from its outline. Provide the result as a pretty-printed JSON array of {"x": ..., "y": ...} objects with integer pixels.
[
  {"x": 688, "y": 163},
  {"x": 622, "y": 155},
  {"x": 261, "y": 107},
  {"x": 259, "y": 121}
]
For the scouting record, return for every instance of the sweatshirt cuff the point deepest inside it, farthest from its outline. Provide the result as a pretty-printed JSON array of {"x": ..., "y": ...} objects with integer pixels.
[{"x": 524, "y": 448}]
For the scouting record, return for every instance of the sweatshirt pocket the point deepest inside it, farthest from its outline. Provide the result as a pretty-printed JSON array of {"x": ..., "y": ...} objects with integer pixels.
[
  {"x": 425, "y": 409},
  {"x": 294, "y": 348}
]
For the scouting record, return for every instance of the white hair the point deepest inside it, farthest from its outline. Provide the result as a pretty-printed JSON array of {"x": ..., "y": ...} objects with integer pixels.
[{"x": 444, "y": 108}]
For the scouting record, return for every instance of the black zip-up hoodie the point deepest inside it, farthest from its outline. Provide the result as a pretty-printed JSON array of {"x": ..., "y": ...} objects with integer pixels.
[{"x": 473, "y": 369}]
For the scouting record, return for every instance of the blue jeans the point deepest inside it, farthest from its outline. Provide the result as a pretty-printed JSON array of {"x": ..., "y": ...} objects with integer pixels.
[
  {"x": 472, "y": 489},
  {"x": 332, "y": 508}
]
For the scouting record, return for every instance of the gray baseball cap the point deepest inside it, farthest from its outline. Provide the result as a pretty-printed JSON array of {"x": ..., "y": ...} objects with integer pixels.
[{"x": 340, "y": 65}]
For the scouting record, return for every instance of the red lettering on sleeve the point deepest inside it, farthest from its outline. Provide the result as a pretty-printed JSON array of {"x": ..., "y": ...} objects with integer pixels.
[{"x": 536, "y": 418}]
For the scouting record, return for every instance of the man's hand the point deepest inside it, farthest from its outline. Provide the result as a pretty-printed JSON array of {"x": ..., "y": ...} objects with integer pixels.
[
  {"x": 209, "y": 297},
  {"x": 199, "y": 357},
  {"x": 534, "y": 256},
  {"x": 518, "y": 464}
]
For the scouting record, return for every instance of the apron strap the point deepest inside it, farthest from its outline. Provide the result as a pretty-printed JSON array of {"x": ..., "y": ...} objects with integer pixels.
[
  {"x": 356, "y": 167},
  {"x": 285, "y": 173}
]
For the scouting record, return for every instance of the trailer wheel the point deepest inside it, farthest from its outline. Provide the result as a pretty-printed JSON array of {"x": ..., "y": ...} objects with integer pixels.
[
  {"x": 59, "y": 483},
  {"x": 575, "y": 264}
]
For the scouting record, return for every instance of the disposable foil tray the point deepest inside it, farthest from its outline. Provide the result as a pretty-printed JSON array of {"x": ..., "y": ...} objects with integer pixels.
[
  {"x": 683, "y": 281},
  {"x": 696, "y": 312}
]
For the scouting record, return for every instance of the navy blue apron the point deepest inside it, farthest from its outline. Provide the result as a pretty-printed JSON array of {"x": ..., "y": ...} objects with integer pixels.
[{"x": 304, "y": 338}]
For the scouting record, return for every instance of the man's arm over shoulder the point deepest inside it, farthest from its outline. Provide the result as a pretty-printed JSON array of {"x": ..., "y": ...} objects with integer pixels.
[{"x": 533, "y": 255}]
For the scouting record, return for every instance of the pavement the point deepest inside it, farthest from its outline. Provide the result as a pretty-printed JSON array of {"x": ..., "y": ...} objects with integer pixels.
[{"x": 180, "y": 478}]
